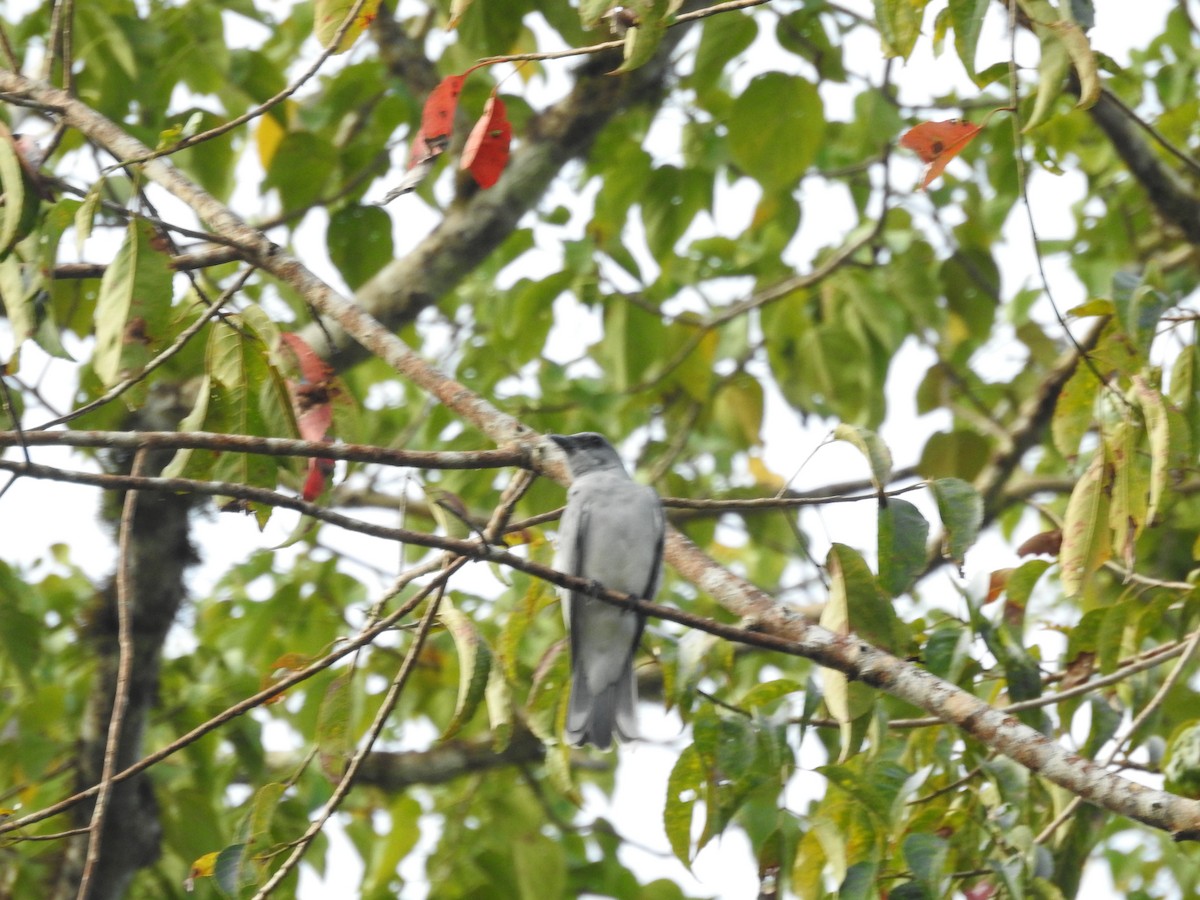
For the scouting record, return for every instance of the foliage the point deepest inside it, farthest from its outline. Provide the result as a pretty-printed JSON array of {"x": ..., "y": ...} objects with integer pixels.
[{"x": 704, "y": 233}]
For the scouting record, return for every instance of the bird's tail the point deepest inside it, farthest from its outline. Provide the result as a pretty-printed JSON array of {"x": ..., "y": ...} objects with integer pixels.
[{"x": 593, "y": 717}]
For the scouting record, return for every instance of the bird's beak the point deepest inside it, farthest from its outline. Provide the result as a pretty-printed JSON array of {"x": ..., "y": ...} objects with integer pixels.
[{"x": 561, "y": 439}]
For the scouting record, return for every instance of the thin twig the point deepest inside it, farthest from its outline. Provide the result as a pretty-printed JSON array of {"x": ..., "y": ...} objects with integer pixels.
[
  {"x": 381, "y": 716},
  {"x": 1147, "y": 711},
  {"x": 613, "y": 45},
  {"x": 237, "y": 443},
  {"x": 125, "y": 589}
]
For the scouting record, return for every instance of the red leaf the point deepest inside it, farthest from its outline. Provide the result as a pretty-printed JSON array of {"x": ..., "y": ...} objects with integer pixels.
[
  {"x": 319, "y": 469},
  {"x": 486, "y": 151},
  {"x": 937, "y": 143},
  {"x": 437, "y": 120},
  {"x": 419, "y": 149},
  {"x": 313, "y": 369},
  {"x": 311, "y": 400}
]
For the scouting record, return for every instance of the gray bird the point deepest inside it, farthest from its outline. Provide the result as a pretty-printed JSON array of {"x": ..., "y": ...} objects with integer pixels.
[{"x": 611, "y": 533}]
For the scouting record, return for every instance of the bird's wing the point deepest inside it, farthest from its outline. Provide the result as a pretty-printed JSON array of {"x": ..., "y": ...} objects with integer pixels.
[
  {"x": 572, "y": 536},
  {"x": 572, "y": 530},
  {"x": 660, "y": 525}
]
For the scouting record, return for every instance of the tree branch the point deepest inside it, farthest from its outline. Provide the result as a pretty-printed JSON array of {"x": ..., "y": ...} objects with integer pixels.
[
  {"x": 240, "y": 443},
  {"x": 782, "y": 627},
  {"x": 1167, "y": 191}
]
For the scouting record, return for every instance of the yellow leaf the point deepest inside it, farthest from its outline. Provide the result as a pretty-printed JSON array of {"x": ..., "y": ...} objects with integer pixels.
[
  {"x": 201, "y": 868},
  {"x": 269, "y": 136},
  {"x": 764, "y": 477}
]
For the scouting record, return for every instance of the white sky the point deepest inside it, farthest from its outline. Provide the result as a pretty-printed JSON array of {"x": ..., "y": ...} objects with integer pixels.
[{"x": 52, "y": 512}]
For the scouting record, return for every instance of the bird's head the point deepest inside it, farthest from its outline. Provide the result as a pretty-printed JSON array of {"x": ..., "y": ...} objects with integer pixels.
[{"x": 587, "y": 452}]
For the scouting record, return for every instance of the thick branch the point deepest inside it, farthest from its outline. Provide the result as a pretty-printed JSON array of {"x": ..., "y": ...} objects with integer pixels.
[{"x": 1167, "y": 191}]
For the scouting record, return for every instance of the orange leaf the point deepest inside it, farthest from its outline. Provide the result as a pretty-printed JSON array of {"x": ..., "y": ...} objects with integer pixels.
[
  {"x": 937, "y": 143},
  {"x": 437, "y": 119},
  {"x": 997, "y": 582},
  {"x": 486, "y": 151}
]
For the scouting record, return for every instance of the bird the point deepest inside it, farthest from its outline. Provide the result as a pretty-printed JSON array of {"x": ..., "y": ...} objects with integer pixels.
[{"x": 611, "y": 533}]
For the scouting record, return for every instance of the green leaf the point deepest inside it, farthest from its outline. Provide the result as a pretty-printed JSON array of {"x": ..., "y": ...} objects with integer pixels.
[
  {"x": 328, "y": 16},
  {"x": 300, "y": 169},
  {"x": 961, "y": 453},
  {"x": 1074, "y": 411},
  {"x": 967, "y": 16},
  {"x": 1139, "y": 308},
  {"x": 879, "y": 457},
  {"x": 768, "y": 692},
  {"x": 1116, "y": 621},
  {"x": 244, "y": 394},
  {"x": 12, "y": 187},
  {"x": 926, "y": 855},
  {"x": 1062, "y": 37},
  {"x": 228, "y": 869},
  {"x": 591, "y": 11},
  {"x": 133, "y": 313},
  {"x": 17, "y": 300},
  {"x": 85, "y": 216},
  {"x": 1052, "y": 70},
  {"x": 899, "y": 24},
  {"x": 961, "y": 510},
  {"x": 1158, "y": 432},
  {"x": 545, "y": 704},
  {"x": 541, "y": 867},
  {"x": 738, "y": 409},
  {"x": 1086, "y": 545},
  {"x": 947, "y": 650},
  {"x": 903, "y": 532},
  {"x": 390, "y": 849},
  {"x": 1127, "y": 511},
  {"x": 334, "y": 741},
  {"x": 723, "y": 38},
  {"x": 775, "y": 129},
  {"x": 262, "y": 810},
  {"x": 1105, "y": 720},
  {"x": 18, "y": 214},
  {"x": 629, "y": 348},
  {"x": 855, "y": 603},
  {"x": 641, "y": 42},
  {"x": 685, "y": 786},
  {"x": 474, "y": 665},
  {"x": 500, "y": 709},
  {"x": 1023, "y": 580},
  {"x": 21, "y": 632},
  {"x": 360, "y": 242}
]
